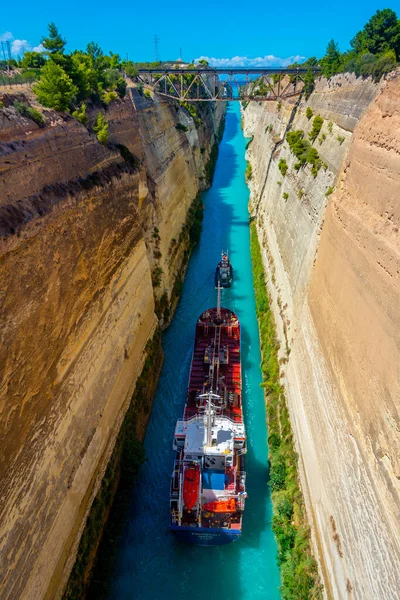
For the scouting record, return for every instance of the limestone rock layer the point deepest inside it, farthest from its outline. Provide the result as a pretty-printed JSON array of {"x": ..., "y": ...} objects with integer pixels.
[
  {"x": 84, "y": 228},
  {"x": 333, "y": 268}
]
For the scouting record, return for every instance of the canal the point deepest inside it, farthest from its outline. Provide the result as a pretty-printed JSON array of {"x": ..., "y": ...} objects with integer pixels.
[{"x": 150, "y": 563}]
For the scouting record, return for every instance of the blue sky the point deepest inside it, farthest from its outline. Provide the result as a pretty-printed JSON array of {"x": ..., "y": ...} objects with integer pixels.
[{"x": 231, "y": 32}]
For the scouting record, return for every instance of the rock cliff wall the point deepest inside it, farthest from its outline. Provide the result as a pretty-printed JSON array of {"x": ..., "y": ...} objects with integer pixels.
[
  {"x": 333, "y": 262},
  {"x": 86, "y": 232}
]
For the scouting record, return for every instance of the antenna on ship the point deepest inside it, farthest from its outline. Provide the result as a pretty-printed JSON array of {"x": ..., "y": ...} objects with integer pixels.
[{"x": 209, "y": 413}]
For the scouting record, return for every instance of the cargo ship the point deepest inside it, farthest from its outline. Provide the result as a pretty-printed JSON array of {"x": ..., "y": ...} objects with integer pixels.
[
  {"x": 208, "y": 483},
  {"x": 224, "y": 271}
]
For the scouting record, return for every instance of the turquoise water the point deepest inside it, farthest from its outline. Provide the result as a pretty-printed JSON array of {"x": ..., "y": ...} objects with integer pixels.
[{"x": 150, "y": 562}]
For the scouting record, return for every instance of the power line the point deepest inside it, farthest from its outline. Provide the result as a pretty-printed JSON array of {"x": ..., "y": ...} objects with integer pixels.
[{"x": 156, "y": 40}]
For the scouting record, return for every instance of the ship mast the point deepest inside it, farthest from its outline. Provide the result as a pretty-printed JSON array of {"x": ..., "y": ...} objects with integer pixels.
[
  {"x": 219, "y": 301},
  {"x": 209, "y": 414}
]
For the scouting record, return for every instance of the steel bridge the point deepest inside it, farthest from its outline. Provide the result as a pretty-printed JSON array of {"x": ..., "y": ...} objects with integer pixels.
[{"x": 207, "y": 84}]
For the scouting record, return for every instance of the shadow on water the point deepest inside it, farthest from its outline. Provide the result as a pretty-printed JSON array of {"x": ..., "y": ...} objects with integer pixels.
[{"x": 143, "y": 559}]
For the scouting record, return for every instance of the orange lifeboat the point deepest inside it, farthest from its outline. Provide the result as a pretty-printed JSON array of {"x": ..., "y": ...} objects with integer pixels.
[
  {"x": 191, "y": 480},
  {"x": 220, "y": 506}
]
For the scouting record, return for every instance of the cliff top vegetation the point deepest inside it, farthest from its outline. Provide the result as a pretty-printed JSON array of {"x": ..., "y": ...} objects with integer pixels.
[
  {"x": 375, "y": 50},
  {"x": 66, "y": 80}
]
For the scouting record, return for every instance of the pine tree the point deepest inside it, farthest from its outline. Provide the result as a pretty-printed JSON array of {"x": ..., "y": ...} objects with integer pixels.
[
  {"x": 380, "y": 34},
  {"x": 55, "y": 43},
  {"x": 309, "y": 83},
  {"x": 55, "y": 88},
  {"x": 101, "y": 128},
  {"x": 331, "y": 62}
]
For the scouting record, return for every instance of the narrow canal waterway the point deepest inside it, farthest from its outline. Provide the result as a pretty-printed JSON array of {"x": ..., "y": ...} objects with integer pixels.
[{"x": 151, "y": 564}]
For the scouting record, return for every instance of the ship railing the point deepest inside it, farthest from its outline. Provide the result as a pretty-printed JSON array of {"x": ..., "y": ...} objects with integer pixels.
[
  {"x": 239, "y": 482},
  {"x": 220, "y": 415},
  {"x": 180, "y": 500},
  {"x": 175, "y": 479},
  {"x": 241, "y": 451},
  {"x": 240, "y": 502},
  {"x": 241, "y": 478}
]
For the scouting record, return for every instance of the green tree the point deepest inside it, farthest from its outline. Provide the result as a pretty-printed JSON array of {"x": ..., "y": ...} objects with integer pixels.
[
  {"x": 113, "y": 61},
  {"x": 80, "y": 114},
  {"x": 101, "y": 128},
  {"x": 283, "y": 166},
  {"x": 27, "y": 111},
  {"x": 94, "y": 50},
  {"x": 130, "y": 69},
  {"x": 89, "y": 75},
  {"x": 55, "y": 88},
  {"x": 310, "y": 62},
  {"x": 331, "y": 62},
  {"x": 309, "y": 83},
  {"x": 54, "y": 43},
  {"x": 380, "y": 34},
  {"x": 33, "y": 60},
  {"x": 316, "y": 128}
]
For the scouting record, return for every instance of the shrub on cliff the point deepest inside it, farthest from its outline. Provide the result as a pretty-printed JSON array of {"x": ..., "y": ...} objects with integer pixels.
[
  {"x": 27, "y": 111},
  {"x": 283, "y": 166},
  {"x": 109, "y": 97},
  {"x": 370, "y": 64},
  {"x": 101, "y": 128},
  {"x": 80, "y": 114},
  {"x": 55, "y": 88},
  {"x": 300, "y": 579},
  {"x": 193, "y": 111},
  {"x": 316, "y": 128},
  {"x": 309, "y": 112},
  {"x": 303, "y": 151},
  {"x": 116, "y": 81},
  {"x": 248, "y": 172}
]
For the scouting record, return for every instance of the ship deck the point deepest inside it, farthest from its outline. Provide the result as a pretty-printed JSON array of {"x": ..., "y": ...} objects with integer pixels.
[
  {"x": 216, "y": 364},
  {"x": 215, "y": 373}
]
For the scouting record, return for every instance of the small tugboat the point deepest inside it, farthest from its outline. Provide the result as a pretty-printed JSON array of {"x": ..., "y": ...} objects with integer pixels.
[
  {"x": 224, "y": 271},
  {"x": 208, "y": 483}
]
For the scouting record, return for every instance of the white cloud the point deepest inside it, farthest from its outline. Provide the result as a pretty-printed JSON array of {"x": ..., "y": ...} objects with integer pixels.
[
  {"x": 39, "y": 48},
  {"x": 19, "y": 47},
  {"x": 6, "y": 36},
  {"x": 244, "y": 61}
]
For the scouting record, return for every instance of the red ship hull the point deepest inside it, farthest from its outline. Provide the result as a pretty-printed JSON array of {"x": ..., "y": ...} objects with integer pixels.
[
  {"x": 208, "y": 481},
  {"x": 229, "y": 373}
]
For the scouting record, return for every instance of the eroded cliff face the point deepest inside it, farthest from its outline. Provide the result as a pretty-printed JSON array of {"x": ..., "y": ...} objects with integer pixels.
[
  {"x": 84, "y": 229},
  {"x": 332, "y": 263}
]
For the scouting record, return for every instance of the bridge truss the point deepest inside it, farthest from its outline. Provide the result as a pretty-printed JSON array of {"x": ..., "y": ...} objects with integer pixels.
[{"x": 222, "y": 85}]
